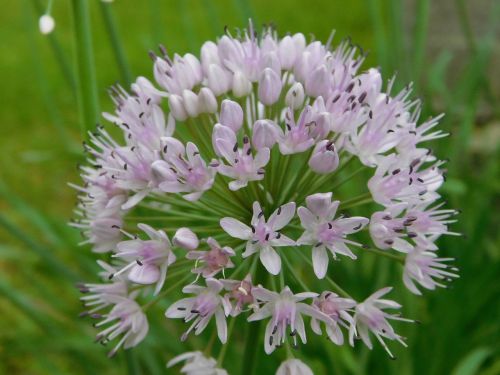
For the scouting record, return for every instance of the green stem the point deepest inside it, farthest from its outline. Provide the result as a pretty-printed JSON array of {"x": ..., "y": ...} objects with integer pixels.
[
  {"x": 222, "y": 353},
  {"x": 114, "y": 38},
  {"x": 334, "y": 285},
  {"x": 87, "y": 84}
]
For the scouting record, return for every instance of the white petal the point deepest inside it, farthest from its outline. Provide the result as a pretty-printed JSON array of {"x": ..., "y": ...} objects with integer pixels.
[
  {"x": 271, "y": 260},
  {"x": 320, "y": 261},
  {"x": 236, "y": 228},
  {"x": 282, "y": 216}
]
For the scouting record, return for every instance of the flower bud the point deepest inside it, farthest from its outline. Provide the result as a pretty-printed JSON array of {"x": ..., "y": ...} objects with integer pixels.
[
  {"x": 176, "y": 106},
  {"x": 318, "y": 82},
  {"x": 271, "y": 60},
  {"x": 295, "y": 96},
  {"x": 209, "y": 55},
  {"x": 186, "y": 238},
  {"x": 325, "y": 158},
  {"x": 195, "y": 67},
  {"x": 269, "y": 87},
  {"x": 241, "y": 85},
  {"x": 231, "y": 115},
  {"x": 46, "y": 24},
  {"x": 207, "y": 101},
  {"x": 190, "y": 103},
  {"x": 224, "y": 133},
  {"x": 217, "y": 79},
  {"x": 287, "y": 52},
  {"x": 265, "y": 134}
]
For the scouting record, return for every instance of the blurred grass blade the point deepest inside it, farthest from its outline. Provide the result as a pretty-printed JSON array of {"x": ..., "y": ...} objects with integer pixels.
[
  {"x": 375, "y": 10},
  {"x": 472, "y": 362},
  {"x": 46, "y": 254},
  {"x": 30, "y": 214},
  {"x": 116, "y": 43},
  {"x": 24, "y": 304},
  {"x": 420, "y": 39},
  {"x": 87, "y": 83}
]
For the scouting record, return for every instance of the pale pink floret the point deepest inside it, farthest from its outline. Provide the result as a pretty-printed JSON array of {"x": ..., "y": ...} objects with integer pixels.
[
  {"x": 285, "y": 310},
  {"x": 240, "y": 294},
  {"x": 213, "y": 261},
  {"x": 201, "y": 308},
  {"x": 401, "y": 222},
  {"x": 262, "y": 236},
  {"x": 427, "y": 269},
  {"x": 324, "y": 232},
  {"x": 126, "y": 319},
  {"x": 241, "y": 165},
  {"x": 196, "y": 364},
  {"x": 370, "y": 316},
  {"x": 148, "y": 260},
  {"x": 396, "y": 180},
  {"x": 338, "y": 309},
  {"x": 183, "y": 170}
]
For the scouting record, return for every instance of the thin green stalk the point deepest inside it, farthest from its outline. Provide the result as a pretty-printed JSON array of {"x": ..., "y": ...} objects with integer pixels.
[
  {"x": 335, "y": 286},
  {"x": 222, "y": 353},
  {"x": 132, "y": 363},
  {"x": 59, "y": 55},
  {"x": 420, "y": 38},
  {"x": 87, "y": 83},
  {"x": 116, "y": 44}
]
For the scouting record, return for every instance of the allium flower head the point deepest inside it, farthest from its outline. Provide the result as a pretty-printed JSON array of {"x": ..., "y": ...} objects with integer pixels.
[{"x": 248, "y": 154}]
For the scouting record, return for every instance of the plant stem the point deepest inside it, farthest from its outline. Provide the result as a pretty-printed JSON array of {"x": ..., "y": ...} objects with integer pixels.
[{"x": 87, "y": 84}]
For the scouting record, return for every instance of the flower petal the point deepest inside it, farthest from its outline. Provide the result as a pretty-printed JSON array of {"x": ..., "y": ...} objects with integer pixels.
[{"x": 236, "y": 228}]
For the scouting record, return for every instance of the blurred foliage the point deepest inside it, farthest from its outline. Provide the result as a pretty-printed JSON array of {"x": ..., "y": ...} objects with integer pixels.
[{"x": 454, "y": 68}]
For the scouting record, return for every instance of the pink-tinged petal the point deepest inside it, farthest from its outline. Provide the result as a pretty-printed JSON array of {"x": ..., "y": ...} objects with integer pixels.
[
  {"x": 226, "y": 149},
  {"x": 214, "y": 285},
  {"x": 179, "y": 308},
  {"x": 222, "y": 132},
  {"x": 250, "y": 249},
  {"x": 186, "y": 238},
  {"x": 352, "y": 224},
  {"x": 320, "y": 261},
  {"x": 145, "y": 274},
  {"x": 257, "y": 210},
  {"x": 161, "y": 280},
  {"x": 135, "y": 199},
  {"x": 304, "y": 295},
  {"x": 262, "y": 158},
  {"x": 172, "y": 187},
  {"x": 307, "y": 219},
  {"x": 220, "y": 321},
  {"x": 260, "y": 314},
  {"x": 299, "y": 327},
  {"x": 340, "y": 247},
  {"x": 270, "y": 260},
  {"x": 237, "y": 185},
  {"x": 335, "y": 334},
  {"x": 282, "y": 241},
  {"x": 282, "y": 216},
  {"x": 268, "y": 347},
  {"x": 313, "y": 313},
  {"x": 193, "y": 289},
  {"x": 402, "y": 245},
  {"x": 236, "y": 228},
  {"x": 319, "y": 204},
  {"x": 315, "y": 326},
  {"x": 193, "y": 197},
  {"x": 263, "y": 294},
  {"x": 381, "y": 292},
  {"x": 307, "y": 238}
]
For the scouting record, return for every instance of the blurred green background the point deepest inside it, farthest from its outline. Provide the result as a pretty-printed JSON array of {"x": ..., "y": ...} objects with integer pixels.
[{"x": 450, "y": 49}]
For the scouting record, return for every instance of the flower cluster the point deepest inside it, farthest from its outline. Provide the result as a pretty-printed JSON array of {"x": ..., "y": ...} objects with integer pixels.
[{"x": 252, "y": 167}]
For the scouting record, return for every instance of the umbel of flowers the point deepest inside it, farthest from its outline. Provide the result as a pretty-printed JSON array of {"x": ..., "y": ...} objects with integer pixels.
[{"x": 234, "y": 174}]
